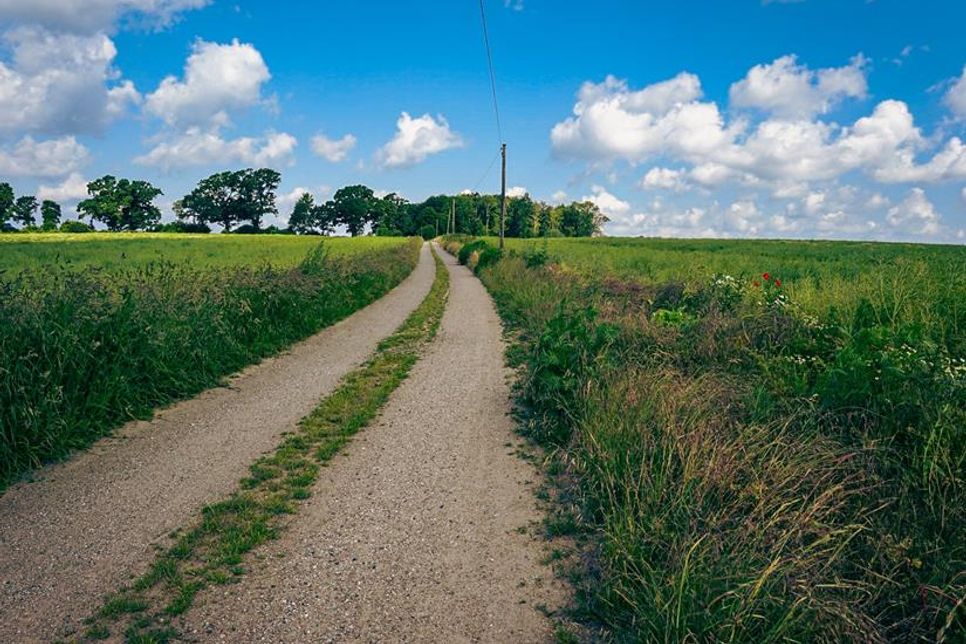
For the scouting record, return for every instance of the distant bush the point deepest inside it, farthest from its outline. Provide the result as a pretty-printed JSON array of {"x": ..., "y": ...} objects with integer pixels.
[
  {"x": 427, "y": 232},
  {"x": 72, "y": 226},
  {"x": 183, "y": 227}
]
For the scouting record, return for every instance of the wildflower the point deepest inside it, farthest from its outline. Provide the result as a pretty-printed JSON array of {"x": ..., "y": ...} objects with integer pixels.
[
  {"x": 778, "y": 283},
  {"x": 766, "y": 276}
]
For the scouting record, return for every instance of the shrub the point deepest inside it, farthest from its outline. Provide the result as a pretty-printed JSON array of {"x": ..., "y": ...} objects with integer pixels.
[
  {"x": 488, "y": 257},
  {"x": 72, "y": 226},
  {"x": 466, "y": 250},
  {"x": 427, "y": 232}
]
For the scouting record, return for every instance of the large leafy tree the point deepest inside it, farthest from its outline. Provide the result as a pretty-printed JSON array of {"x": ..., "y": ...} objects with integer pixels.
[
  {"x": 24, "y": 210},
  {"x": 354, "y": 207},
  {"x": 121, "y": 204},
  {"x": 228, "y": 198},
  {"x": 6, "y": 203},
  {"x": 50, "y": 214},
  {"x": 581, "y": 219}
]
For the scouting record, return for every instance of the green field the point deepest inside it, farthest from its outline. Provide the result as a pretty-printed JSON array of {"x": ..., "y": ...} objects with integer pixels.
[
  {"x": 743, "y": 460},
  {"x": 83, "y": 351},
  {"x": 124, "y": 250}
]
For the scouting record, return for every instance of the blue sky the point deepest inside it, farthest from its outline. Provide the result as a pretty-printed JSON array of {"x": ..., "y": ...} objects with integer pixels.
[{"x": 818, "y": 118}]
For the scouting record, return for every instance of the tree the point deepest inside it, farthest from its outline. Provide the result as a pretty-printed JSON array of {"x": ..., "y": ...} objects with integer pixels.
[
  {"x": 24, "y": 209},
  {"x": 6, "y": 203},
  {"x": 581, "y": 219},
  {"x": 50, "y": 215},
  {"x": 354, "y": 207},
  {"x": 228, "y": 198},
  {"x": 257, "y": 190},
  {"x": 302, "y": 219},
  {"x": 121, "y": 204}
]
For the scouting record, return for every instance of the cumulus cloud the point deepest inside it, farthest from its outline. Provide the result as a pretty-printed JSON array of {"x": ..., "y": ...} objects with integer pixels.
[
  {"x": 614, "y": 207},
  {"x": 668, "y": 120},
  {"x": 516, "y": 191},
  {"x": 915, "y": 215},
  {"x": 198, "y": 146},
  {"x": 217, "y": 78},
  {"x": 664, "y": 179},
  {"x": 90, "y": 16},
  {"x": 69, "y": 191},
  {"x": 955, "y": 97},
  {"x": 416, "y": 139},
  {"x": 333, "y": 150},
  {"x": 61, "y": 83},
  {"x": 52, "y": 158},
  {"x": 787, "y": 89}
]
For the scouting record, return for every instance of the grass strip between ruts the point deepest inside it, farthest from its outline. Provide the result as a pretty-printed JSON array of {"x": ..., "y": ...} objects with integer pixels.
[{"x": 213, "y": 549}]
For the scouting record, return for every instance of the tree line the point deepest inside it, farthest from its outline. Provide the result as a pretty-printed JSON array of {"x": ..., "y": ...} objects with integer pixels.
[{"x": 238, "y": 201}]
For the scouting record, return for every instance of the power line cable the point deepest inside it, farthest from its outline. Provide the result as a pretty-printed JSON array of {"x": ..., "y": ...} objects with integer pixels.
[
  {"x": 489, "y": 60},
  {"x": 486, "y": 174}
]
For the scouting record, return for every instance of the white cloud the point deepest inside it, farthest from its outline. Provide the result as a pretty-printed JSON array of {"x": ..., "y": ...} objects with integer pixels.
[
  {"x": 963, "y": 195},
  {"x": 560, "y": 196},
  {"x": 207, "y": 147},
  {"x": 66, "y": 193},
  {"x": 612, "y": 122},
  {"x": 516, "y": 5},
  {"x": 90, "y": 16},
  {"x": 665, "y": 179},
  {"x": 790, "y": 90},
  {"x": 915, "y": 215},
  {"x": 744, "y": 217},
  {"x": 612, "y": 206},
  {"x": 955, "y": 97},
  {"x": 61, "y": 83},
  {"x": 217, "y": 78},
  {"x": 516, "y": 191},
  {"x": 333, "y": 150},
  {"x": 416, "y": 139},
  {"x": 52, "y": 158}
]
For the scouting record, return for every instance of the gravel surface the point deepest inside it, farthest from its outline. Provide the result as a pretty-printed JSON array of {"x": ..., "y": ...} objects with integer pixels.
[
  {"x": 412, "y": 533},
  {"x": 90, "y": 524}
]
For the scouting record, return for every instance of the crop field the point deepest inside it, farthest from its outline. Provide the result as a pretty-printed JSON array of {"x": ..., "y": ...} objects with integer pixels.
[
  {"x": 125, "y": 250},
  {"x": 753, "y": 441},
  {"x": 155, "y": 319}
]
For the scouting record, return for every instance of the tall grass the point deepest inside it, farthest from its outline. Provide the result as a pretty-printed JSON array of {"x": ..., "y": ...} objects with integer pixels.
[
  {"x": 84, "y": 351},
  {"x": 748, "y": 469}
]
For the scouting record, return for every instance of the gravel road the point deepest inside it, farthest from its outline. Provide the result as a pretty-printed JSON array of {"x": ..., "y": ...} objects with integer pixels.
[
  {"x": 412, "y": 533},
  {"x": 88, "y": 525}
]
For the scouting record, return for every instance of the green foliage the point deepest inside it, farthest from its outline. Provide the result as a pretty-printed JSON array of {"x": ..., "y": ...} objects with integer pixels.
[
  {"x": 229, "y": 198},
  {"x": 355, "y": 207},
  {"x": 121, "y": 204},
  {"x": 427, "y": 232},
  {"x": 50, "y": 215},
  {"x": 24, "y": 210},
  {"x": 72, "y": 226},
  {"x": 466, "y": 250},
  {"x": 756, "y": 459},
  {"x": 86, "y": 350},
  {"x": 6, "y": 203}
]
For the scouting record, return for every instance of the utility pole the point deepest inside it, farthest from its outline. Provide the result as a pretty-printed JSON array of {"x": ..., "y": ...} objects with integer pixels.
[
  {"x": 503, "y": 198},
  {"x": 452, "y": 213}
]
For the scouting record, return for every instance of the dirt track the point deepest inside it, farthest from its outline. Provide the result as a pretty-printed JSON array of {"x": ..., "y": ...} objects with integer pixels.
[
  {"x": 89, "y": 524},
  {"x": 411, "y": 534}
]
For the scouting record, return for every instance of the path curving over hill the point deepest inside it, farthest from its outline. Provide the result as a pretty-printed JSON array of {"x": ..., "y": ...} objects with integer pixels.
[{"x": 87, "y": 526}]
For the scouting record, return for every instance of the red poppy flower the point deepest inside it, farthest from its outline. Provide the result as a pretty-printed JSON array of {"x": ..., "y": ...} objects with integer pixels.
[
  {"x": 778, "y": 283},
  {"x": 766, "y": 276}
]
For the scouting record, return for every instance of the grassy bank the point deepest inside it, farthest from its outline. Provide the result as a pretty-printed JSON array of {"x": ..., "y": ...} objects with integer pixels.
[
  {"x": 742, "y": 459},
  {"x": 83, "y": 351},
  {"x": 130, "y": 250},
  {"x": 213, "y": 550}
]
